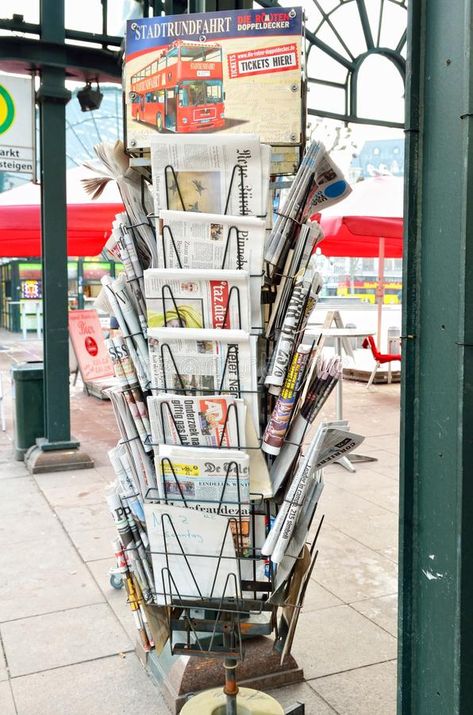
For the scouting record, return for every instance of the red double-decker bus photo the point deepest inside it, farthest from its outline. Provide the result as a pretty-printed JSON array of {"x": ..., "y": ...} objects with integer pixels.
[{"x": 181, "y": 90}]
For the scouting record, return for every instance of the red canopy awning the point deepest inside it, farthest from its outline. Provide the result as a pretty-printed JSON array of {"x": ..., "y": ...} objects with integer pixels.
[
  {"x": 372, "y": 211},
  {"x": 88, "y": 221},
  {"x": 88, "y": 227}
]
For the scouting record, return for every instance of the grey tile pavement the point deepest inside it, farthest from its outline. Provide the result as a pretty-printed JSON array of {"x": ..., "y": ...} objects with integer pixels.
[
  {"x": 108, "y": 686},
  {"x": 7, "y": 704},
  {"x": 364, "y": 691},
  {"x": 382, "y": 611},
  {"x": 336, "y": 639},
  {"x": 54, "y": 578},
  {"x": 63, "y": 638}
]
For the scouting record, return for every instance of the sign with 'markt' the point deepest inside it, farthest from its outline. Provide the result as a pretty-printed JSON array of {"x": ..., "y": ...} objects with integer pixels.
[{"x": 16, "y": 124}]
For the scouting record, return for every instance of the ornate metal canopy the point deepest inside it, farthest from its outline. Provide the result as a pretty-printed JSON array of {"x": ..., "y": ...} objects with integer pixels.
[{"x": 341, "y": 36}]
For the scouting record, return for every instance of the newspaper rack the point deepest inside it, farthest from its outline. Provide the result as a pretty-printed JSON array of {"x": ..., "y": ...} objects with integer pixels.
[{"x": 214, "y": 623}]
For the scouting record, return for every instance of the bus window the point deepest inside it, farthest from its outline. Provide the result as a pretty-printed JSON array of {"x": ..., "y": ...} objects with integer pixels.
[
  {"x": 172, "y": 57},
  {"x": 214, "y": 55},
  {"x": 193, "y": 94},
  {"x": 201, "y": 54},
  {"x": 189, "y": 54}
]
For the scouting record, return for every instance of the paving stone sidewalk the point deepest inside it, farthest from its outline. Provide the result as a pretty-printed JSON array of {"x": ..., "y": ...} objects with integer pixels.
[{"x": 67, "y": 638}]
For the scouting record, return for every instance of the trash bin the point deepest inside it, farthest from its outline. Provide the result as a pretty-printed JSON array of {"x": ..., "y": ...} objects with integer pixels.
[{"x": 28, "y": 415}]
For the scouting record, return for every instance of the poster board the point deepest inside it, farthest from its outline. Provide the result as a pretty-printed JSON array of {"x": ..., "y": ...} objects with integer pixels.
[
  {"x": 87, "y": 340},
  {"x": 227, "y": 72}
]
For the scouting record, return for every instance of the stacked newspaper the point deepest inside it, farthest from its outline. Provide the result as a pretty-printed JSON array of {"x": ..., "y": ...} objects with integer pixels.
[
  {"x": 206, "y": 362},
  {"x": 204, "y": 241},
  {"x": 114, "y": 165},
  {"x": 318, "y": 184},
  {"x": 302, "y": 495}
]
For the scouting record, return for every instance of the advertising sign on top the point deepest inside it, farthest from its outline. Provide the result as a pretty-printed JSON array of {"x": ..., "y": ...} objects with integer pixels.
[
  {"x": 16, "y": 124},
  {"x": 236, "y": 71}
]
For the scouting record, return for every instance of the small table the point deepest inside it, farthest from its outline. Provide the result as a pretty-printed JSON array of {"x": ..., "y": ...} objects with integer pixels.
[{"x": 341, "y": 335}]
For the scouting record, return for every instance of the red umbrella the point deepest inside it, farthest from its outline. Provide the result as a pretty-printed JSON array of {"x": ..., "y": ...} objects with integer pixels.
[
  {"x": 368, "y": 223},
  {"x": 88, "y": 221},
  {"x": 372, "y": 211}
]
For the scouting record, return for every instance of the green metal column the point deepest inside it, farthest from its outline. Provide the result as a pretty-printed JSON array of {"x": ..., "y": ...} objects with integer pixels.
[
  {"x": 53, "y": 97},
  {"x": 436, "y": 549}
]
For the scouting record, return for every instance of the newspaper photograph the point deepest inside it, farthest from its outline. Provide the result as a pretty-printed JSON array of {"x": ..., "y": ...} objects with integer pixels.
[
  {"x": 218, "y": 174},
  {"x": 197, "y": 421},
  {"x": 218, "y": 72},
  {"x": 194, "y": 298},
  {"x": 187, "y": 361}
]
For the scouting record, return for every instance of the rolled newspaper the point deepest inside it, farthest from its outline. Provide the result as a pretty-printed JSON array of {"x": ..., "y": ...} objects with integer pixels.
[
  {"x": 278, "y": 424},
  {"x": 308, "y": 284}
]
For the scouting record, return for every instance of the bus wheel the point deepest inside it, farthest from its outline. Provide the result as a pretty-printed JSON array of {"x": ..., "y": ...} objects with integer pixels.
[{"x": 159, "y": 122}]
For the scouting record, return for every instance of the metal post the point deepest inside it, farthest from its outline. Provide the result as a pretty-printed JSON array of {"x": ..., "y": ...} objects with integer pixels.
[
  {"x": 339, "y": 387},
  {"x": 80, "y": 283},
  {"x": 53, "y": 98},
  {"x": 231, "y": 687},
  {"x": 56, "y": 451},
  {"x": 380, "y": 291},
  {"x": 23, "y": 319},
  {"x": 436, "y": 536}
]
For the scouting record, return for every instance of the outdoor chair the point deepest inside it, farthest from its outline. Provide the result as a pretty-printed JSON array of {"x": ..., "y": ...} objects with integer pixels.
[{"x": 380, "y": 358}]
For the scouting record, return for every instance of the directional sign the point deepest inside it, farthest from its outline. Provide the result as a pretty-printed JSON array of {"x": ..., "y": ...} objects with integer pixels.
[{"x": 16, "y": 124}]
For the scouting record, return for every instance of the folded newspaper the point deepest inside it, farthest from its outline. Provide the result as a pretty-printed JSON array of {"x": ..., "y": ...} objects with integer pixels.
[
  {"x": 329, "y": 444},
  {"x": 195, "y": 298},
  {"x": 210, "y": 173},
  {"x": 303, "y": 298},
  {"x": 211, "y": 480},
  {"x": 192, "y": 554},
  {"x": 205, "y": 421},
  {"x": 202, "y": 240},
  {"x": 319, "y": 183}
]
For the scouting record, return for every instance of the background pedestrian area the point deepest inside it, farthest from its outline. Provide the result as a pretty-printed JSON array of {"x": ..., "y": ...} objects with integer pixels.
[{"x": 68, "y": 638}]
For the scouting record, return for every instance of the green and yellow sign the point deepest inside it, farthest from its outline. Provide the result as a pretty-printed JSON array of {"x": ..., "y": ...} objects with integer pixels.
[
  {"x": 7, "y": 109},
  {"x": 17, "y": 129}
]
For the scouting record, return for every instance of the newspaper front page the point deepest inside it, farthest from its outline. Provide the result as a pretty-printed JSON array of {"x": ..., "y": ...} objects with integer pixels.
[
  {"x": 210, "y": 174},
  {"x": 194, "y": 298}
]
